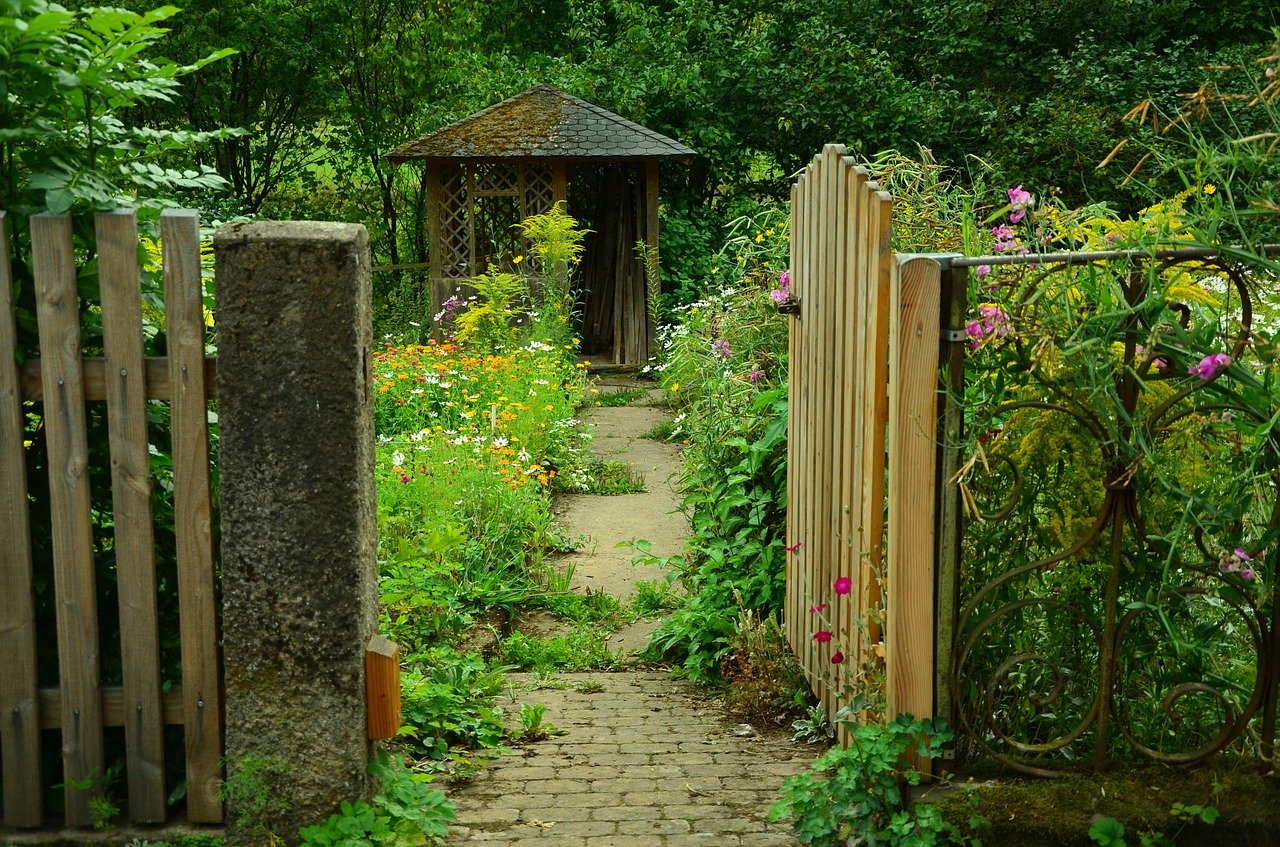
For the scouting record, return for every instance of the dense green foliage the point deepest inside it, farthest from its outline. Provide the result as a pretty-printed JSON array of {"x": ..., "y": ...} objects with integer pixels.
[{"x": 1035, "y": 91}]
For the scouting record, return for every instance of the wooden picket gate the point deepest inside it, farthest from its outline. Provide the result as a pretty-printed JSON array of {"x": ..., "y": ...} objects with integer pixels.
[
  {"x": 862, "y": 453},
  {"x": 61, "y": 382}
]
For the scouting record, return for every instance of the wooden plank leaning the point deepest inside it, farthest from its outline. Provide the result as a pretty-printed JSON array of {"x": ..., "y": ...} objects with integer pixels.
[
  {"x": 58, "y": 314},
  {"x": 19, "y": 703},
  {"x": 121, "y": 294},
  {"x": 201, "y": 683}
]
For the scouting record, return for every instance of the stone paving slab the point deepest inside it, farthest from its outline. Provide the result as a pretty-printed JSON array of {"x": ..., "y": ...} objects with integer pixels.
[{"x": 644, "y": 761}]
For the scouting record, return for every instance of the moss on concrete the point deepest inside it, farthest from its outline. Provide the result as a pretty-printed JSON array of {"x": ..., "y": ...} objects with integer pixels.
[{"x": 1059, "y": 812}]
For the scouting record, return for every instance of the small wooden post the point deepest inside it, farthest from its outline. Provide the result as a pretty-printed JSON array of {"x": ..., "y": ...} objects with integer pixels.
[{"x": 382, "y": 687}]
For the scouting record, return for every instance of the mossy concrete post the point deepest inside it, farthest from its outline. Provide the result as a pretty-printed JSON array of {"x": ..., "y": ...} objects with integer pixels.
[{"x": 299, "y": 581}]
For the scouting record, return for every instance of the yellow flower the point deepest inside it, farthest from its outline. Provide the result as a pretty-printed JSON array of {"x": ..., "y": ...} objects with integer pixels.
[
  {"x": 1209, "y": 188},
  {"x": 759, "y": 237},
  {"x": 715, "y": 270},
  {"x": 675, "y": 387},
  {"x": 517, "y": 260}
]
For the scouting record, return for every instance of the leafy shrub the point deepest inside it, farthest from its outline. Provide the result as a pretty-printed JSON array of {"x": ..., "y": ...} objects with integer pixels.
[
  {"x": 853, "y": 795},
  {"x": 450, "y": 701},
  {"x": 406, "y": 813}
]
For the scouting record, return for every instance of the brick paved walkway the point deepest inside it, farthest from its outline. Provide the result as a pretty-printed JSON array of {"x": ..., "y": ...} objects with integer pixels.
[{"x": 644, "y": 761}]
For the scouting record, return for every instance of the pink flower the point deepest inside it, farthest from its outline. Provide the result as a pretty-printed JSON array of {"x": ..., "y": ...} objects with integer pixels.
[
  {"x": 844, "y": 585},
  {"x": 783, "y": 291},
  {"x": 982, "y": 270},
  {"x": 1242, "y": 555},
  {"x": 754, "y": 376},
  {"x": 822, "y": 636},
  {"x": 720, "y": 347},
  {"x": 1002, "y": 232},
  {"x": 1247, "y": 574},
  {"x": 821, "y": 607},
  {"x": 1019, "y": 200},
  {"x": 404, "y": 477},
  {"x": 1209, "y": 366},
  {"x": 837, "y": 657}
]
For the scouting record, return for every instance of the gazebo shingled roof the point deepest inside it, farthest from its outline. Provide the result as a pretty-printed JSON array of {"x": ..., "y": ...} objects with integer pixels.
[{"x": 542, "y": 122}]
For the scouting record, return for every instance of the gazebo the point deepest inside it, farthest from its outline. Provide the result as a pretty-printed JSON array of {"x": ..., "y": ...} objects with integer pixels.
[{"x": 487, "y": 172}]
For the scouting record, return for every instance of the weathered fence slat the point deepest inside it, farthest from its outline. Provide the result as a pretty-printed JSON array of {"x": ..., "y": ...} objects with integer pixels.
[
  {"x": 131, "y": 503},
  {"x": 19, "y": 715},
  {"x": 66, "y": 435},
  {"x": 189, "y": 411},
  {"x": 792, "y": 614},
  {"x": 913, "y": 373},
  {"x": 852, "y": 386},
  {"x": 875, "y": 411}
]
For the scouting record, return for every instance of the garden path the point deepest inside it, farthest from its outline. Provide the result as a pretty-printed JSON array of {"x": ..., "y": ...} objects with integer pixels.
[{"x": 644, "y": 760}]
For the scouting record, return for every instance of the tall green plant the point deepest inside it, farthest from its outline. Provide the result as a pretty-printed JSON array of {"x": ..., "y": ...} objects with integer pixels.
[{"x": 69, "y": 80}]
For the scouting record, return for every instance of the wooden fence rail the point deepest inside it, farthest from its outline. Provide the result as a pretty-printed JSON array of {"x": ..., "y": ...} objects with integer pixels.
[
  {"x": 62, "y": 382},
  {"x": 867, "y": 330}
]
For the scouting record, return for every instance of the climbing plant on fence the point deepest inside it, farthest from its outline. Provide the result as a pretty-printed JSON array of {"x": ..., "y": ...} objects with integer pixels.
[{"x": 1123, "y": 518}]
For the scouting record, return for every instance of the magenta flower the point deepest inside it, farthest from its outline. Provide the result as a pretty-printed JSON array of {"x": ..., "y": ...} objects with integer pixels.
[
  {"x": 992, "y": 322},
  {"x": 837, "y": 657},
  {"x": 1209, "y": 366},
  {"x": 1242, "y": 555},
  {"x": 1019, "y": 200},
  {"x": 844, "y": 585},
  {"x": 1247, "y": 574},
  {"x": 783, "y": 291},
  {"x": 1002, "y": 232},
  {"x": 821, "y": 607},
  {"x": 404, "y": 477},
  {"x": 822, "y": 636},
  {"x": 982, "y": 270},
  {"x": 754, "y": 376},
  {"x": 720, "y": 347}
]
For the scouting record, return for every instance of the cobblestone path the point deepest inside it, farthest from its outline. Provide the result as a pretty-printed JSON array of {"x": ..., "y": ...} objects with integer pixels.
[{"x": 644, "y": 761}]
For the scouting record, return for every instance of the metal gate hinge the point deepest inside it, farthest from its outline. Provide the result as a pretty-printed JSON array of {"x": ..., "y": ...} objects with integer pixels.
[{"x": 954, "y": 335}]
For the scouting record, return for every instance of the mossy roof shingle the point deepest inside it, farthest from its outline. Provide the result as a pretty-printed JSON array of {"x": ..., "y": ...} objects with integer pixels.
[{"x": 541, "y": 122}]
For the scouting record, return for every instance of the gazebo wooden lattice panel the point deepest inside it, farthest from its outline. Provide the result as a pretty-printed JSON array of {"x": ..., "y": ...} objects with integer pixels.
[{"x": 488, "y": 172}]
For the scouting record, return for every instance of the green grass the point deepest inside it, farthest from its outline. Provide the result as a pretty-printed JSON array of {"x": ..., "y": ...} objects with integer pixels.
[
  {"x": 610, "y": 477},
  {"x": 624, "y": 397},
  {"x": 583, "y": 649}
]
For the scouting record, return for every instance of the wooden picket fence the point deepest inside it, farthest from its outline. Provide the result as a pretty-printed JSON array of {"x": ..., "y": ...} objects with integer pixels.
[
  {"x": 60, "y": 384},
  {"x": 862, "y": 458}
]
